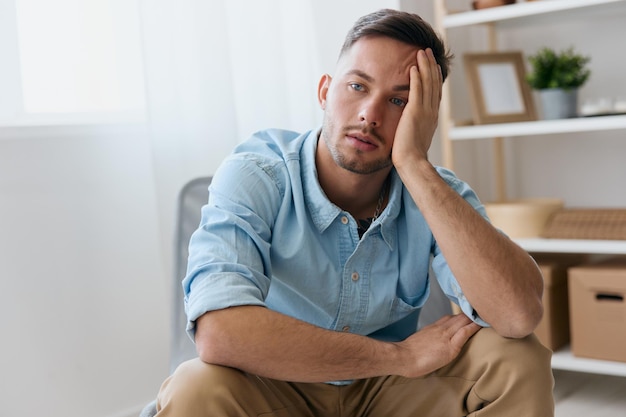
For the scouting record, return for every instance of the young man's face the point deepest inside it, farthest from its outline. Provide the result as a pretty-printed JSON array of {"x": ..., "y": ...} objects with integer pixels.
[{"x": 364, "y": 101}]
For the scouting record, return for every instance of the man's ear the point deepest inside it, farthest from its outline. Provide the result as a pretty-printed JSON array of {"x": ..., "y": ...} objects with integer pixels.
[{"x": 322, "y": 90}]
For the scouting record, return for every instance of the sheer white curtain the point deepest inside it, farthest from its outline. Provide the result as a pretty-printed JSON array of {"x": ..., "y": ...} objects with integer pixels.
[{"x": 216, "y": 71}]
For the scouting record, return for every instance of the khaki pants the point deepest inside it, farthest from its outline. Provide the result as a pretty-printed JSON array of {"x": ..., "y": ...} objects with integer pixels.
[{"x": 492, "y": 376}]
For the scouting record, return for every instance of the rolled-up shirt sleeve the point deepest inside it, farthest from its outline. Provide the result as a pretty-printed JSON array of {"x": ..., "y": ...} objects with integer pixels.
[{"x": 229, "y": 253}]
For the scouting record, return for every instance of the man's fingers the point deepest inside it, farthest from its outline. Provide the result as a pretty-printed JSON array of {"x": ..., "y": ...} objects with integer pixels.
[
  {"x": 459, "y": 328},
  {"x": 415, "y": 86},
  {"x": 436, "y": 79},
  {"x": 423, "y": 63},
  {"x": 458, "y": 323},
  {"x": 462, "y": 335},
  {"x": 428, "y": 87}
]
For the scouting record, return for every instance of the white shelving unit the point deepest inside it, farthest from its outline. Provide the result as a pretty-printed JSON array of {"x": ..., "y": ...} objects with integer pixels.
[
  {"x": 540, "y": 127},
  {"x": 450, "y": 133},
  {"x": 608, "y": 247},
  {"x": 564, "y": 360},
  {"x": 517, "y": 11}
]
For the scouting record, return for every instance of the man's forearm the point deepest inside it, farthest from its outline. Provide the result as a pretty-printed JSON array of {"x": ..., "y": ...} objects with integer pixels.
[
  {"x": 270, "y": 344},
  {"x": 497, "y": 276}
]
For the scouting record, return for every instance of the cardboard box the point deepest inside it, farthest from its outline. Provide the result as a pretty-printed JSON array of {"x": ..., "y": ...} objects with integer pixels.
[
  {"x": 554, "y": 330},
  {"x": 598, "y": 310}
]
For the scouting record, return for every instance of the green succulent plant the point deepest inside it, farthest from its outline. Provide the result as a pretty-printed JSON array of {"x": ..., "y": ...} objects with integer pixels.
[{"x": 566, "y": 69}]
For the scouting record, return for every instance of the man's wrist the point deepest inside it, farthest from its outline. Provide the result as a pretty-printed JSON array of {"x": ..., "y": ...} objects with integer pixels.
[{"x": 412, "y": 165}]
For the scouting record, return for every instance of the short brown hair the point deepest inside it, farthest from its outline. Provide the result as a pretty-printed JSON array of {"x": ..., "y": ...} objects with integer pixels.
[{"x": 401, "y": 26}]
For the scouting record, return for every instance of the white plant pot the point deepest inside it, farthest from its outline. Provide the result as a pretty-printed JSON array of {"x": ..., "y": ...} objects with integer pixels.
[{"x": 557, "y": 103}]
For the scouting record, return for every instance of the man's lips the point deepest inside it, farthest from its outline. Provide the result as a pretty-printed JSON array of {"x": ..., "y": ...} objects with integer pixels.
[
  {"x": 361, "y": 141},
  {"x": 365, "y": 139}
]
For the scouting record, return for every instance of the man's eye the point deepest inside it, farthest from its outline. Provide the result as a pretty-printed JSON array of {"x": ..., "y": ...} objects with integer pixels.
[
  {"x": 398, "y": 102},
  {"x": 356, "y": 87}
]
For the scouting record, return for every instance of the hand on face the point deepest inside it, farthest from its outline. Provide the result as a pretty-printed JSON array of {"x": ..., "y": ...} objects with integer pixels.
[{"x": 419, "y": 118}]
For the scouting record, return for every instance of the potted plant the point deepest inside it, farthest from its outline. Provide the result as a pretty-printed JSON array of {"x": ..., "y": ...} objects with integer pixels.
[{"x": 558, "y": 76}]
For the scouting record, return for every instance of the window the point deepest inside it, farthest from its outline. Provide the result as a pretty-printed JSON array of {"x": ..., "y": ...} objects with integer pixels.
[{"x": 71, "y": 62}]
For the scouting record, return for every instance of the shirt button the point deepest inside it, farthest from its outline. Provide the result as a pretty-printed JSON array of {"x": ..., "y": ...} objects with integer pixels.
[
  {"x": 355, "y": 276},
  {"x": 345, "y": 329},
  {"x": 344, "y": 220}
]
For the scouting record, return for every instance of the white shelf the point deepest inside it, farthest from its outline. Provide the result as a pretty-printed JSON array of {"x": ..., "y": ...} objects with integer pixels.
[
  {"x": 541, "y": 127},
  {"x": 609, "y": 247},
  {"x": 565, "y": 360},
  {"x": 517, "y": 10}
]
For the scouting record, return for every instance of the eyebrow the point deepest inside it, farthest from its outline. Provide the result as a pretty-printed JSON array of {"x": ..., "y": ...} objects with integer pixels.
[{"x": 369, "y": 78}]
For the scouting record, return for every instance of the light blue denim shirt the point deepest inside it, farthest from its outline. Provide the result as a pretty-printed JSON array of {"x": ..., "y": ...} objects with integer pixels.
[{"x": 270, "y": 237}]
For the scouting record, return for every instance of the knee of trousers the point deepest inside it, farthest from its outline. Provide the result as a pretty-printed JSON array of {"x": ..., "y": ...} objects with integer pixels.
[
  {"x": 513, "y": 362},
  {"x": 195, "y": 382}
]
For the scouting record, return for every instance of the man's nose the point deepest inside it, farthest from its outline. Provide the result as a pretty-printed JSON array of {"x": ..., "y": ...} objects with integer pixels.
[{"x": 371, "y": 113}]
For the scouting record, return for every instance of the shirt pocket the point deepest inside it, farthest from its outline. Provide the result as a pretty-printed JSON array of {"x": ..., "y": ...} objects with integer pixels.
[{"x": 403, "y": 306}]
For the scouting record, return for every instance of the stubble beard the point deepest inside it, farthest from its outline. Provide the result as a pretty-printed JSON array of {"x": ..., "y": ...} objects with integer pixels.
[{"x": 352, "y": 164}]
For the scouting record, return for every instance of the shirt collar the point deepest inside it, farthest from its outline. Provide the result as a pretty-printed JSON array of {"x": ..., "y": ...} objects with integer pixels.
[
  {"x": 324, "y": 212},
  {"x": 392, "y": 211}
]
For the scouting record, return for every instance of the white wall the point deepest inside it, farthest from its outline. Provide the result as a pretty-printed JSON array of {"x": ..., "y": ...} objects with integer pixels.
[{"x": 82, "y": 294}]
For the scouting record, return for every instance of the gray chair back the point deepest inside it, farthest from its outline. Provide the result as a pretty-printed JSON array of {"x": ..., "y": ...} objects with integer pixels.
[{"x": 191, "y": 198}]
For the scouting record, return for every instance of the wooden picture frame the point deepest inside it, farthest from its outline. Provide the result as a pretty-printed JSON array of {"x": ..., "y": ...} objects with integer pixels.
[{"x": 498, "y": 87}]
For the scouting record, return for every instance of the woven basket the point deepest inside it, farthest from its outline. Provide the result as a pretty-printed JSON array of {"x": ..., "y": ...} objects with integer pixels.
[
  {"x": 609, "y": 224},
  {"x": 523, "y": 217}
]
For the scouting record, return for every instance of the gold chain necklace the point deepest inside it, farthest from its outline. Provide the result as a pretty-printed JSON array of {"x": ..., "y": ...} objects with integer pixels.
[
  {"x": 381, "y": 199},
  {"x": 364, "y": 224}
]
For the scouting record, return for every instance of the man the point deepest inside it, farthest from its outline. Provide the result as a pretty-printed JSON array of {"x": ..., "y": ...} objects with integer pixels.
[{"x": 306, "y": 277}]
